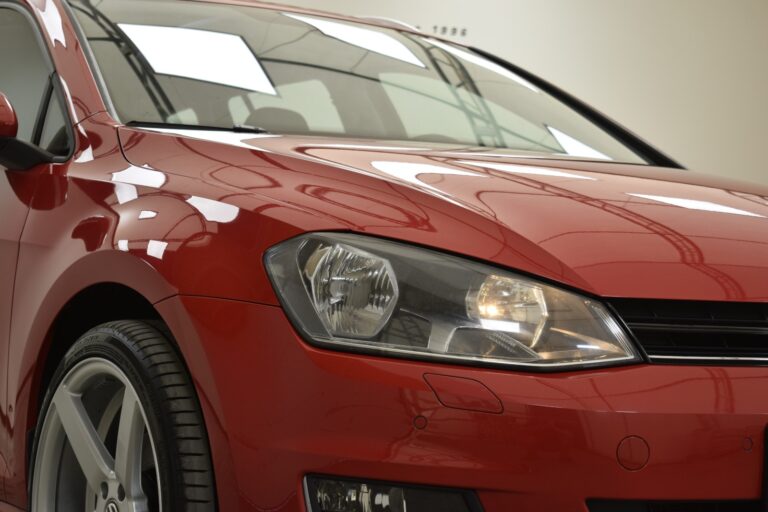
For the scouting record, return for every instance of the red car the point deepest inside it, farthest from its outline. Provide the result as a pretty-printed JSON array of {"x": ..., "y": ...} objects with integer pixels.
[{"x": 256, "y": 258}]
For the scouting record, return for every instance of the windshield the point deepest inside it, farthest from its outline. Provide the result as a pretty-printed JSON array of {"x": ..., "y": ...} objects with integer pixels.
[{"x": 224, "y": 66}]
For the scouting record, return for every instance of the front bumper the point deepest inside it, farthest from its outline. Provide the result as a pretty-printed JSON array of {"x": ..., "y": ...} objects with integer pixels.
[{"x": 278, "y": 409}]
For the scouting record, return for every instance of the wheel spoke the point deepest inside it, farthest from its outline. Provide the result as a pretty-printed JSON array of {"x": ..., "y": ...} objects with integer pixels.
[
  {"x": 94, "y": 458},
  {"x": 130, "y": 442}
]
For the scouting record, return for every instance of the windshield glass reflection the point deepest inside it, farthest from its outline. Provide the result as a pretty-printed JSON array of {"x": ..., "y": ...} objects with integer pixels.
[{"x": 229, "y": 66}]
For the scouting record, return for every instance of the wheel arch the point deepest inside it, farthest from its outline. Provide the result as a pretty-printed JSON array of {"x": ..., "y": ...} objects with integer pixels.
[
  {"x": 90, "y": 293},
  {"x": 90, "y": 307},
  {"x": 86, "y": 309}
]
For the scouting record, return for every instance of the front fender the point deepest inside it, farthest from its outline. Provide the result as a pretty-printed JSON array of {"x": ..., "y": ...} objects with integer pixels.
[{"x": 99, "y": 219}]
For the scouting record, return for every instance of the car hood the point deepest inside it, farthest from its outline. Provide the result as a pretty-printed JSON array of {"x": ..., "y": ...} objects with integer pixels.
[{"x": 615, "y": 230}]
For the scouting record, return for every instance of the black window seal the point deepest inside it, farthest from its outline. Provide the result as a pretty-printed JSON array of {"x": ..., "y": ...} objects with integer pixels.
[
  {"x": 42, "y": 112},
  {"x": 55, "y": 91}
]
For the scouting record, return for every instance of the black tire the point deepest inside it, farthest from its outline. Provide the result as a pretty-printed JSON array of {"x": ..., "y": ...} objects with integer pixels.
[{"x": 152, "y": 364}]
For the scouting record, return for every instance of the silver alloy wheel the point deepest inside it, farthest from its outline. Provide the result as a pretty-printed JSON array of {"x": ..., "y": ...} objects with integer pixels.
[{"x": 95, "y": 451}]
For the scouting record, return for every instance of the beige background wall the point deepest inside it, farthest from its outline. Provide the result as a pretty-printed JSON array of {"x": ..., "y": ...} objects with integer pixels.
[{"x": 690, "y": 76}]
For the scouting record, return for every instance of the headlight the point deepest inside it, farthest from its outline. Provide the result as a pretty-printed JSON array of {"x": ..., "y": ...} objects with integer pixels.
[{"x": 360, "y": 293}]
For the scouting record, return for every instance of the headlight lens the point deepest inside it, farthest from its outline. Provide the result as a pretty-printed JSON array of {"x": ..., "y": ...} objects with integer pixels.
[
  {"x": 369, "y": 294},
  {"x": 353, "y": 292}
]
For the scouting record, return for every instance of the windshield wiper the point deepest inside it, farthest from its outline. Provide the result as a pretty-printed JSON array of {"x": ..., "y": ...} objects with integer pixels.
[{"x": 238, "y": 128}]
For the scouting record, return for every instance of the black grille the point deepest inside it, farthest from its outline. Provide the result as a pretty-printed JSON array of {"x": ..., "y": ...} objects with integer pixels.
[
  {"x": 681, "y": 506},
  {"x": 669, "y": 329}
]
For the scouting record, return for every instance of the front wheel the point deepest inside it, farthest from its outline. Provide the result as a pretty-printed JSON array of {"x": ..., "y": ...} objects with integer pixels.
[{"x": 122, "y": 429}]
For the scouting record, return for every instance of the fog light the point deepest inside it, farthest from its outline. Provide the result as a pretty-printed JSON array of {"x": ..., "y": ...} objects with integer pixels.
[{"x": 326, "y": 494}]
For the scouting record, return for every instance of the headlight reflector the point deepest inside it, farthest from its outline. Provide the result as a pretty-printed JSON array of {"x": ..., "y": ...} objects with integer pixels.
[
  {"x": 509, "y": 305},
  {"x": 363, "y": 293},
  {"x": 353, "y": 292}
]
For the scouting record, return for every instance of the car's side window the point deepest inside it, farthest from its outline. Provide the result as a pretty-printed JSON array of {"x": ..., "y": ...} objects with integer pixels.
[{"x": 25, "y": 78}]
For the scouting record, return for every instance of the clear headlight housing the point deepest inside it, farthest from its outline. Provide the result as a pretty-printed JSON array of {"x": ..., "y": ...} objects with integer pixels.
[{"x": 366, "y": 294}]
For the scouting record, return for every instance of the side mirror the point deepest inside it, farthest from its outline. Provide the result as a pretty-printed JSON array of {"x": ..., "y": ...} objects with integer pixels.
[
  {"x": 16, "y": 154},
  {"x": 9, "y": 123}
]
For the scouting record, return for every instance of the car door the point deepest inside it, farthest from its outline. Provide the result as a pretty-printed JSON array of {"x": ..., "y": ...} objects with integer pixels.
[{"x": 25, "y": 79}]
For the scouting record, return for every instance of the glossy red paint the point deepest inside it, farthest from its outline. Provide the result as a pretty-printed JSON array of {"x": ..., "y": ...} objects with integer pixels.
[
  {"x": 185, "y": 221},
  {"x": 582, "y": 224},
  {"x": 554, "y": 445}
]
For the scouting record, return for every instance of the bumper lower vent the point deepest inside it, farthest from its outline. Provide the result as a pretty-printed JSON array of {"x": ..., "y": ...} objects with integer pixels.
[{"x": 708, "y": 332}]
